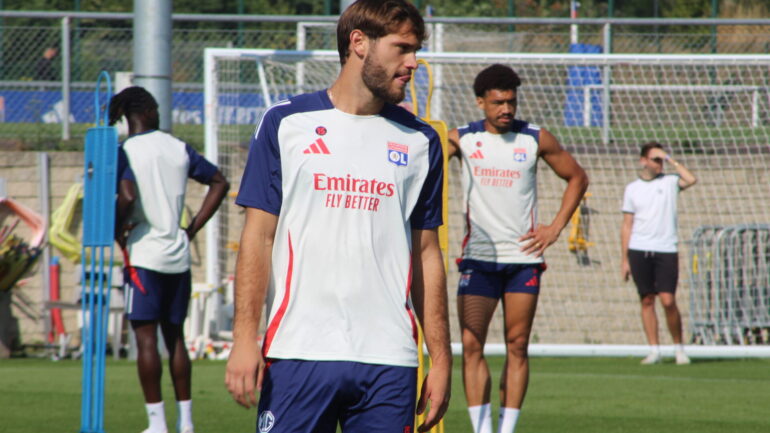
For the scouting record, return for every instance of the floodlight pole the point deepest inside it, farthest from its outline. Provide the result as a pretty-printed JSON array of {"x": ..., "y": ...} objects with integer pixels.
[{"x": 152, "y": 53}]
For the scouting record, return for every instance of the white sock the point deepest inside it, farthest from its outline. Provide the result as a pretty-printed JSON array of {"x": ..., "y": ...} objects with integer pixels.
[
  {"x": 655, "y": 350},
  {"x": 679, "y": 348},
  {"x": 481, "y": 418},
  {"x": 508, "y": 418},
  {"x": 156, "y": 417},
  {"x": 184, "y": 414}
]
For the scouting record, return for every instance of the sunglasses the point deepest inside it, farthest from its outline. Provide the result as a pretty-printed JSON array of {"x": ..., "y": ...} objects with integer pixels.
[{"x": 658, "y": 160}]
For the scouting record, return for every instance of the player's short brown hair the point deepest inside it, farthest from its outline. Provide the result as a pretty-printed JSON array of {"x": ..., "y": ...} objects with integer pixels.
[
  {"x": 495, "y": 77},
  {"x": 376, "y": 18},
  {"x": 647, "y": 147}
]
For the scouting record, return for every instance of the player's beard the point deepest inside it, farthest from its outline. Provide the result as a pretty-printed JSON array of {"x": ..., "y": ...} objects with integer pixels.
[{"x": 378, "y": 82}]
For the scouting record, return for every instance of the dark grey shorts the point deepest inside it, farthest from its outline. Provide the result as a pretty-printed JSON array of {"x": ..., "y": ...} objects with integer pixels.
[{"x": 654, "y": 272}]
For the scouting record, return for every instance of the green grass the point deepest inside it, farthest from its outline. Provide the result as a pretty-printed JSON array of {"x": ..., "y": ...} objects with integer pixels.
[
  {"x": 47, "y": 136},
  {"x": 566, "y": 395},
  {"x": 690, "y": 140}
]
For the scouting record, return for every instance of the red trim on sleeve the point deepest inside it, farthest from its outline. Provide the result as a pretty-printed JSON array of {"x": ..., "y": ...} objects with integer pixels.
[{"x": 273, "y": 328}]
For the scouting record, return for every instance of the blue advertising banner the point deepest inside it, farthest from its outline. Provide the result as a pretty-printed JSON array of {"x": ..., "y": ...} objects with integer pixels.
[{"x": 45, "y": 106}]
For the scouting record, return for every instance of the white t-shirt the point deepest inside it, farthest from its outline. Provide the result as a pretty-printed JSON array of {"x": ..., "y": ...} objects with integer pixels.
[
  {"x": 347, "y": 190},
  {"x": 653, "y": 203},
  {"x": 499, "y": 180},
  {"x": 161, "y": 164}
]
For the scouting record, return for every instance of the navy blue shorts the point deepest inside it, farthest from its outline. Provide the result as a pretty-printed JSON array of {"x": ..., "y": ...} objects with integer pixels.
[
  {"x": 492, "y": 279},
  {"x": 161, "y": 297},
  {"x": 313, "y": 396}
]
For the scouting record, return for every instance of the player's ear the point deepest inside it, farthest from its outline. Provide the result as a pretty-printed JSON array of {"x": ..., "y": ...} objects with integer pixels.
[
  {"x": 480, "y": 102},
  {"x": 359, "y": 43}
]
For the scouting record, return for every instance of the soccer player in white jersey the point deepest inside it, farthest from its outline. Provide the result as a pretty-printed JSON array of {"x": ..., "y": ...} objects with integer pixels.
[
  {"x": 503, "y": 248},
  {"x": 342, "y": 191},
  {"x": 151, "y": 201},
  {"x": 649, "y": 244}
]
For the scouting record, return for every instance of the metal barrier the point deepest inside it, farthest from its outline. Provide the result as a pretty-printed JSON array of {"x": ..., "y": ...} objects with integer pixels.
[{"x": 730, "y": 284}]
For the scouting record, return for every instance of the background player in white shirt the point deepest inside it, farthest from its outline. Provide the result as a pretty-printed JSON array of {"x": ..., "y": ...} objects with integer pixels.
[
  {"x": 342, "y": 191},
  {"x": 649, "y": 243},
  {"x": 503, "y": 247},
  {"x": 159, "y": 282}
]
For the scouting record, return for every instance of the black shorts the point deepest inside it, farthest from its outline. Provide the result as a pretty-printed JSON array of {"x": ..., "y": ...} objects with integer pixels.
[{"x": 654, "y": 272}]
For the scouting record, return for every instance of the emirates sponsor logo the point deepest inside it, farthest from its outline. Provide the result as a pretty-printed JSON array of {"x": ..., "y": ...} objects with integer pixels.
[
  {"x": 493, "y": 176},
  {"x": 349, "y": 192}
]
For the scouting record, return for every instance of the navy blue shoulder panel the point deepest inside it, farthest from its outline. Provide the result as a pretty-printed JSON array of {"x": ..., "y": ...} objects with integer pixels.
[
  {"x": 305, "y": 102},
  {"x": 477, "y": 126},
  {"x": 522, "y": 127},
  {"x": 404, "y": 117}
]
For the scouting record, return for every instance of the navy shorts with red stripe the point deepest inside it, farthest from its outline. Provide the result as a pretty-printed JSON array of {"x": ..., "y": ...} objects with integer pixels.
[
  {"x": 162, "y": 297},
  {"x": 493, "y": 279},
  {"x": 301, "y": 396}
]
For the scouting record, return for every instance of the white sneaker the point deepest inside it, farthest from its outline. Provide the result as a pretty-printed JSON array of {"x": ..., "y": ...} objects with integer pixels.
[
  {"x": 652, "y": 358},
  {"x": 153, "y": 431},
  {"x": 188, "y": 429},
  {"x": 682, "y": 358}
]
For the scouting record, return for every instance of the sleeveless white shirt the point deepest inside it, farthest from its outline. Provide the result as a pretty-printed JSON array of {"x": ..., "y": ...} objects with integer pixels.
[{"x": 499, "y": 181}]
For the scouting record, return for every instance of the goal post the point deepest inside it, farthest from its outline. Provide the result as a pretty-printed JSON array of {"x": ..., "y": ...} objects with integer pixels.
[{"x": 711, "y": 112}]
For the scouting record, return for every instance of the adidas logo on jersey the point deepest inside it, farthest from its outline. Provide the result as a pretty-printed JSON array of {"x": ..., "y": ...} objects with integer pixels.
[
  {"x": 318, "y": 147},
  {"x": 477, "y": 155}
]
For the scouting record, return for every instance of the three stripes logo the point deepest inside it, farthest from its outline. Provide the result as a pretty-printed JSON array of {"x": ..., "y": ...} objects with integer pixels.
[
  {"x": 534, "y": 281},
  {"x": 318, "y": 147},
  {"x": 477, "y": 155}
]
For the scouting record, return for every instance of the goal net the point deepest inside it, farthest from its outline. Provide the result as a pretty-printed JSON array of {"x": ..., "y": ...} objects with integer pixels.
[{"x": 711, "y": 112}]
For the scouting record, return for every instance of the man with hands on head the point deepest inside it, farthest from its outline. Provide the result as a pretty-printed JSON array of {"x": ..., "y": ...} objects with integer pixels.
[{"x": 649, "y": 244}]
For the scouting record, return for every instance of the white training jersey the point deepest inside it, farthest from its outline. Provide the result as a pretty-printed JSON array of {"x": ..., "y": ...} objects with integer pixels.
[
  {"x": 653, "y": 203},
  {"x": 499, "y": 180},
  {"x": 161, "y": 164},
  {"x": 347, "y": 190}
]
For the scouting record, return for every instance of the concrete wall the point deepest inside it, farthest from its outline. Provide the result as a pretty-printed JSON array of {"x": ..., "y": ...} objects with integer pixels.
[{"x": 580, "y": 302}]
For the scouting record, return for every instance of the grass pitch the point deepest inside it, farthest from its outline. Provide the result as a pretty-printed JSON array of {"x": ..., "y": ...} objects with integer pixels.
[{"x": 565, "y": 395}]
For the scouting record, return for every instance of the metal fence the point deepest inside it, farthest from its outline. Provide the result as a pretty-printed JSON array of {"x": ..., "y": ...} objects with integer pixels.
[
  {"x": 730, "y": 284},
  {"x": 47, "y": 68}
]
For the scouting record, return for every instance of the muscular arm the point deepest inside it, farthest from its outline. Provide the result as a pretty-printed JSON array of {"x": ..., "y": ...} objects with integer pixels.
[
  {"x": 454, "y": 143},
  {"x": 565, "y": 166},
  {"x": 625, "y": 236},
  {"x": 252, "y": 271},
  {"x": 429, "y": 298},
  {"x": 218, "y": 188}
]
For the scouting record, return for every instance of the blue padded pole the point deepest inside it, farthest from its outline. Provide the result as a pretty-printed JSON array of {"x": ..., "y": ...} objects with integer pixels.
[
  {"x": 85, "y": 413},
  {"x": 100, "y": 182}
]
